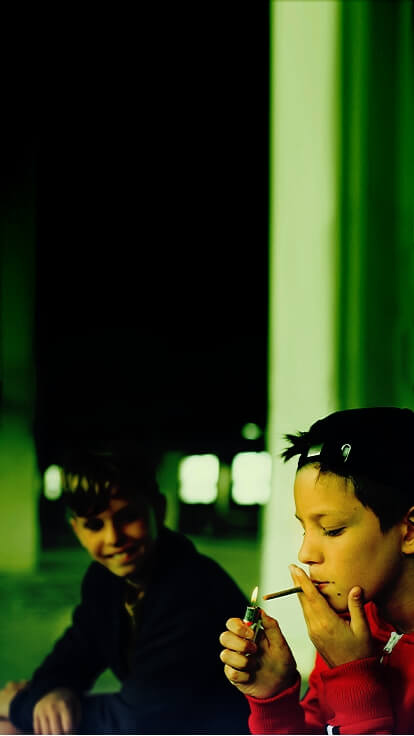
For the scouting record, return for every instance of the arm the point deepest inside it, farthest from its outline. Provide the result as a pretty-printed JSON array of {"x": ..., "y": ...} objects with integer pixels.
[
  {"x": 74, "y": 663},
  {"x": 57, "y": 712},
  {"x": 265, "y": 671},
  {"x": 347, "y": 688},
  {"x": 172, "y": 683},
  {"x": 7, "y": 694},
  {"x": 354, "y": 692},
  {"x": 169, "y": 686}
]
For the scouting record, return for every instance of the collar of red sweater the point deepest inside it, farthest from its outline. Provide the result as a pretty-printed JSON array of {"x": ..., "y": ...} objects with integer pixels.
[{"x": 380, "y": 628}]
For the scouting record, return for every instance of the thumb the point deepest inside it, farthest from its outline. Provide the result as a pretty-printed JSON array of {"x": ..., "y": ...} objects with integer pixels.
[
  {"x": 270, "y": 625},
  {"x": 358, "y": 623},
  {"x": 267, "y": 621},
  {"x": 275, "y": 640}
]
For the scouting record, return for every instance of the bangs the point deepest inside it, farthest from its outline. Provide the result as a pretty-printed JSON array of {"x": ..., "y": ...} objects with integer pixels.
[
  {"x": 87, "y": 495},
  {"x": 91, "y": 477}
]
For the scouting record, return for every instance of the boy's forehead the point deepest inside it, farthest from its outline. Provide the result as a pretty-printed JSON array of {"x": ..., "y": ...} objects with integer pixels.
[
  {"x": 118, "y": 503},
  {"x": 313, "y": 475},
  {"x": 322, "y": 493}
]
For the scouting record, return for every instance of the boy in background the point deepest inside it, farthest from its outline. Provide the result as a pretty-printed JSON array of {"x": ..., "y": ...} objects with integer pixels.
[{"x": 141, "y": 598}]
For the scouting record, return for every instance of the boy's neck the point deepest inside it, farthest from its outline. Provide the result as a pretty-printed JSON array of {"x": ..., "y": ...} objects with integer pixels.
[
  {"x": 398, "y": 608},
  {"x": 140, "y": 578}
]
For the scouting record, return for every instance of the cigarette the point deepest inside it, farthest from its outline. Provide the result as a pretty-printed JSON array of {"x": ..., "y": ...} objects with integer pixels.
[{"x": 281, "y": 593}]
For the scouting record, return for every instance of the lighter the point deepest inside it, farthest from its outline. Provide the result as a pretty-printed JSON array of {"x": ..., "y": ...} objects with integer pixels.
[{"x": 252, "y": 614}]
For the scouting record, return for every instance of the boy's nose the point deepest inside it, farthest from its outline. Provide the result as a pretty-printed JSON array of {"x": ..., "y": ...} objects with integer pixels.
[
  {"x": 112, "y": 534},
  {"x": 310, "y": 551}
]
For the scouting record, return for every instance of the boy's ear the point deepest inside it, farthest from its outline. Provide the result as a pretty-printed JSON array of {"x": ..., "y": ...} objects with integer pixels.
[
  {"x": 72, "y": 522},
  {"x": 407, "y": 546}
]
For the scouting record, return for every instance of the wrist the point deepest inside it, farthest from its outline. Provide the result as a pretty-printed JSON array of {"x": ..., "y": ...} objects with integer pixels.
[
  {"x": 286, "y": 688},
  {"x": 288, "y": 681}
]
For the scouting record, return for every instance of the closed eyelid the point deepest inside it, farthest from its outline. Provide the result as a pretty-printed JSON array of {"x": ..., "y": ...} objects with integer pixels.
[
  {"x": 333, "y": 531},
  {"x": 129, "y": 514},
  {"x": 337, "y": 518},
  {"x": 93, "y": 525}
]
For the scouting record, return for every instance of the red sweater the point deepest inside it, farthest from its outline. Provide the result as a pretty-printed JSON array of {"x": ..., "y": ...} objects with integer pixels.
[{"x": 365, "y": 696}]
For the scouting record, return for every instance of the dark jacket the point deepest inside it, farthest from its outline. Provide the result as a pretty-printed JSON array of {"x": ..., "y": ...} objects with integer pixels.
[{"x": 176, "y": 682}]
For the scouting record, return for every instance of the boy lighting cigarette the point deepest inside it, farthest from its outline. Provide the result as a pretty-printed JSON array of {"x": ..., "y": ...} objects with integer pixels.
[{"x": 353, "y": 496}]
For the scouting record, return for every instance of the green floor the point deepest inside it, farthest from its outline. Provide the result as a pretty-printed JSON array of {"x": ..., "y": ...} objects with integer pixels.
[{"x": 35, "y": 609}]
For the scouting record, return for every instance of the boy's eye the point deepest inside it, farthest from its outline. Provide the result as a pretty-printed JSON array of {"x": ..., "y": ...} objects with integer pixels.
[
  {"x": 333, "y": 532},
  {"x": 93, "y": 524},
  {"x": 131, "y": 513}
]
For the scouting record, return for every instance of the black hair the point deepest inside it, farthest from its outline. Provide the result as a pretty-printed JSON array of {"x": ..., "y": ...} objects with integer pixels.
[
  {"x": 92, "y": 475},
  {"x": 372, "y": 448}
]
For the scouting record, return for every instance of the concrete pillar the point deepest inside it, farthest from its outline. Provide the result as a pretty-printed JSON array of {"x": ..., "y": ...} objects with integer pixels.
[
  {"x": 403, "y": 346},
  {"x": 19, "y": 481},
  {"x": 341, "y": 238},
  {"x": 303, "y": 280}
]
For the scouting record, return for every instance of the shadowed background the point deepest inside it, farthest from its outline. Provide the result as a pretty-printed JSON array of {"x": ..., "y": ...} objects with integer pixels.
[{"x": 210, "y": 229}]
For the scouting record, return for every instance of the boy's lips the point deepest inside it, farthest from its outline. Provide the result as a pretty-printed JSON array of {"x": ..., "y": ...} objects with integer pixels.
[
  {"x": 131, "y": 551},
  {"x": 320, "y": 583}
]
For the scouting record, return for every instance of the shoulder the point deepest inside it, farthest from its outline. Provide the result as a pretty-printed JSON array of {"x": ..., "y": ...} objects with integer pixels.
[
  {"x": 178, "y": 551},
  {"x": 179, "y": 560},
  {"x": 98, "y": 581}
]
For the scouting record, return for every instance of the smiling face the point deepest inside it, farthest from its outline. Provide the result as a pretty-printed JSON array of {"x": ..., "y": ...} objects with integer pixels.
[
  {"x": 343, "y": 543},
  {"x": 122, "y": 537}
]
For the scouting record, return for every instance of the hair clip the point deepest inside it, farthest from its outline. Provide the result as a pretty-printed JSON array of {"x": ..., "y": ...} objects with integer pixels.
[
  {"x": 345, "y": 450},
  {"x": 314, "y": 451}
]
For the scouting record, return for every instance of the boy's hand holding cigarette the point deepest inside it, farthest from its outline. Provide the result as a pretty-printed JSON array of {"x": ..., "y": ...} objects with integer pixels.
[
  {"x": 261, "y": 668},
  {"x": 337, "y": 640}
]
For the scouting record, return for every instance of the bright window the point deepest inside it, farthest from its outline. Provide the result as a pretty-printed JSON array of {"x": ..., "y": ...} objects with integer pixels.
[
  {"x": 251, "y": 477},
  {"x": 198, "y": 477},
  {"x": 52, "y": 483}
]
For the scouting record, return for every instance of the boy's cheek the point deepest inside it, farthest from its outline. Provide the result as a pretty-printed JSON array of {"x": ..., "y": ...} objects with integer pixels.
[{"x": 136, "y": 529}]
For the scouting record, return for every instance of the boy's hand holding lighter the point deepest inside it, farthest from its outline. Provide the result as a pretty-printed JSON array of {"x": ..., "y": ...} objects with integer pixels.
[{"x": 260, "y": 668}]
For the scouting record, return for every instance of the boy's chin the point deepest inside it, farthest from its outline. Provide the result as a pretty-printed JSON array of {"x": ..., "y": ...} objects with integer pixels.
[
  {"x": 340, "y": 607},
  {"x": 123, "y": 571},
  {"x": 133, "y": 569},
  {"x": 338, "y": 603}
]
